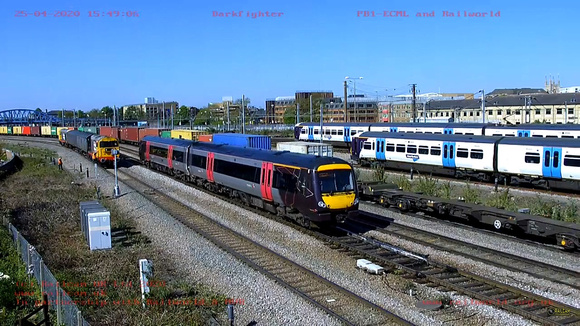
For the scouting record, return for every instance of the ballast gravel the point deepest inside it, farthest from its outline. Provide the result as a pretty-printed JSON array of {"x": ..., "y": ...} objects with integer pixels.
[{"x": 266, "y": 302}]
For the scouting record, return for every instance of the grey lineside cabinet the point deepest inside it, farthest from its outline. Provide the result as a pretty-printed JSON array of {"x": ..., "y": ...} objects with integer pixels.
[{"x": 96, "y": 225}]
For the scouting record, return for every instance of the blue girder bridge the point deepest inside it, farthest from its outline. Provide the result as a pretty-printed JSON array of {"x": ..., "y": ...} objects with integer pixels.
[{"x": 27, "y": 116}]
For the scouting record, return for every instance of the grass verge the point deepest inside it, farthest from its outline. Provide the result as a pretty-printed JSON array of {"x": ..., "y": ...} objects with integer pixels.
[{"x": 43, "y": 203}]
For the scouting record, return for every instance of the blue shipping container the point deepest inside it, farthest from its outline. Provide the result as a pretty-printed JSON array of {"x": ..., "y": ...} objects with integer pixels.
[{"x": 244, "y": 140}]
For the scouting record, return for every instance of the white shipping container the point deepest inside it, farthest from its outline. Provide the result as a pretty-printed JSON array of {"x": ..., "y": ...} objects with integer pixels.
[{"x": 303, "y": 147}]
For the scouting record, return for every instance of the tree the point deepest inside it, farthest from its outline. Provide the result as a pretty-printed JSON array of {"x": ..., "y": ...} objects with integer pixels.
[
  {"x": 38, "y": 110},
  {"x": 94, "y": 113},
  {"x": 133, "y": 113},
  {"x": 246, "y": 101},
  {"x": 81, "y": 114},
  {"x": 183, "y": 113},
  {"x": 107, "y": 111}
]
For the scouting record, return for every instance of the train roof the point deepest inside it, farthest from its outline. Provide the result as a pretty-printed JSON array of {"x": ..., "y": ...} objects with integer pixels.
[
  {"x": 280, "y": 157},
  {"x": 442, "y": 137},
  {"x": 80, "y": 133},
  {"x": 435, "y": 125},
  {"x": 541, "y": 141},
  {"x": 543, "y": 127},
  {"x": 335, "y": 124}
]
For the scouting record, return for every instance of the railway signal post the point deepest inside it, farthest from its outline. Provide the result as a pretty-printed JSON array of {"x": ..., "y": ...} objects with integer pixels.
[{"x": 116, "y": 191}]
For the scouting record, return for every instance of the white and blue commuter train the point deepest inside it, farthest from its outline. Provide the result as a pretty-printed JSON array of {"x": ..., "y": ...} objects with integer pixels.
[
  {"x": 343, "y": 133},
  {"x": 547, "y": 162}
]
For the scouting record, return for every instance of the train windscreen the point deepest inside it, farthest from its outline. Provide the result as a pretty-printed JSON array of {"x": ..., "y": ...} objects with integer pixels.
[{"x": 336, "y": 181}]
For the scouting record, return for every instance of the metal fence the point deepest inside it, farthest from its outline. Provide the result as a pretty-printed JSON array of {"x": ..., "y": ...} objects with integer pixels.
[{"x": 67, "y": 312}]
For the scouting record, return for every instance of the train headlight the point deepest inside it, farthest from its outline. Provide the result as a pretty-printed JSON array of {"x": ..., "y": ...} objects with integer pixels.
[
  {"x": 321, "y": 204},
  {"x": 355, "y": 201}
]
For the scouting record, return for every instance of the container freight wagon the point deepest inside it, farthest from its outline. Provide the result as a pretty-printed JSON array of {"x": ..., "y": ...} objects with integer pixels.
[
  {"x": 243, "y": 140},
  {"x": 112, "y": 132},
  {"x": 303, "y": 147},
  {"x": 35, "y": 131},
  {"x": 17, "y": 130},
  {"x": 185, "y": 134},
  {"x": 166, "y": 134},
  {"x": 155, "y": 132},
  {"x": 47, "y": 131},
  {"x": 130, "y": 135},
  {"x": 3, "y": 130},
  {"x": 26, "y": 130},
  {"x": 206, "y": 138}
]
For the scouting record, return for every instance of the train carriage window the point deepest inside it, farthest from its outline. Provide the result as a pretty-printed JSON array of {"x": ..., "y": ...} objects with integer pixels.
[
  {"x": 445, "y": 151},
  {"x": 178, "y": 156},
  {"x": 327, "y": 131},
  {"x": 551, "y": 136},
  {"x": 303, "y": 131},
  {"x": 341, "y": 132},
  {"x": 285, "y": 179},
  {"x": 333, "y": 132},
  {"x": 533, "y": 158},
  {"x": 367, "y": 145},
  {"x": 458, "y": 133},
  {"x": 567, "y": 136},
  {"x": 400, "y": 148},
  {"x": 240, "y": 171},
  {"x": 572, "y": 160},
  {"x": 158, "y": 151},
  {"x": 316, "y": 131},
  {"x": 428, "y": 132},
  {"x": 556, "y": 159},
  {"x": 435, "y": 150},
  {"x": 198, "y": 161},
  {"x": 469, "y": 134},
  {"x": 475, "y": 154},
  {"x": 353, "y": 132},
  {"x": 537, "y": 136},
  {"x": 412, "y": 149},
  {"x": 451, "y": 151},
  {"x": 390, "y": 147},
  {"x": 547, "y": 159},
  {"x": 497, "y": 135},
  {"x": 438, "y": 133},
  {"x": 462, "y": 152},
  {"x": 423, "y": 149}
]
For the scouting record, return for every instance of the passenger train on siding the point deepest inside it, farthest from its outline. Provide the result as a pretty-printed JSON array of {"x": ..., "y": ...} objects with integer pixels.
[
  {"x": 547, "y": 162},
  {"x": 343, "y": 133},
  {"x": 304, "y": 188}
]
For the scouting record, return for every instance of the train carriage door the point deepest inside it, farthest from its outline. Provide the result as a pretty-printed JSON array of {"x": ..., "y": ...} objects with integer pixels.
[
  {"x": 552, "y": 165},
  {"x": 347, "y": 135},
  {"x": 147, "y": 146},
  {"x": 523, "y": 133},
  {"x": 170, "y": 157},
  {"x": 266, "y": 181},
  {"x": 310, "y": 133},
  {"x": 380, "y": 149},
  {"x": 448, "y": 131},
  {"x": 394, "y": 129},
  {"x": 209, "y": 167},
  {"x": 449, "y": 154}
]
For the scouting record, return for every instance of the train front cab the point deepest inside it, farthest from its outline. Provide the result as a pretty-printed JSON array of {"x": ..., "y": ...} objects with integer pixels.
[
  {"x": 336, "y": 192},
  {"x": 102, "y": 149}
]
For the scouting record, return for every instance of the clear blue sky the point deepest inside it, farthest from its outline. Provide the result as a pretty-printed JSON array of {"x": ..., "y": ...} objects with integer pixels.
[{"x": 177, "y": 50}]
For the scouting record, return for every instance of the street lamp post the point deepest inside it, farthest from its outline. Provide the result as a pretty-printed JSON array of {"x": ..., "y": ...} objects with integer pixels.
[{"x": 354, "y": 83}]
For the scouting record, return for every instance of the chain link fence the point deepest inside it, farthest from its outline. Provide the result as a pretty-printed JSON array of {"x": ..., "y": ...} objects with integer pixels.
[{"x": 67, "y": 312}]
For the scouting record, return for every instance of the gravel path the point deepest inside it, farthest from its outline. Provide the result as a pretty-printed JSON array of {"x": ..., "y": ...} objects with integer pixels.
[{"x": 265, "y": 301}]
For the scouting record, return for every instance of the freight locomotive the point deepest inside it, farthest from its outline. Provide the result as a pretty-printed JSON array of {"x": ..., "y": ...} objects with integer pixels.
[
  {"x": 304, "y": 188},
  {"x": 546, "y": 162},
  {"x": 96, "y": 147},
  {"x": 343, "y": 133}
]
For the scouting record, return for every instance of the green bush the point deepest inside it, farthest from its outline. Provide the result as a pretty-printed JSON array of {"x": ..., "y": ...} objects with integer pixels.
[{"x": 427, "y": 185}]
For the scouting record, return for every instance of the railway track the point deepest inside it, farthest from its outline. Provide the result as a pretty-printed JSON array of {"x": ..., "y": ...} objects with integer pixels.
[
  {"x": 446, "y": 278},
  {"x": 332, "y": 298},
  {"x": 475, "y": 252}
]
